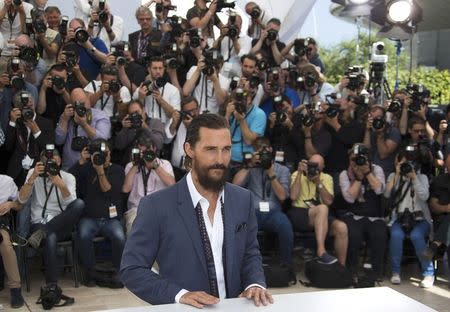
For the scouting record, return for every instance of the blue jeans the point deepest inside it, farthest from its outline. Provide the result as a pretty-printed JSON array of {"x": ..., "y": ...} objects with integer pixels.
[
  {"x": 277, "y": 222},
  {"x": 111, "y": 229},
  {"x": 417, "y": 237}
]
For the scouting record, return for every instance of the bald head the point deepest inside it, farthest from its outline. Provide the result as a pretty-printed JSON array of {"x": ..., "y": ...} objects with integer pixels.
[
  {"x": 23, "y": 41},
  {"x": 79, "y": 95},
  {"x": 316, "y": 158}
]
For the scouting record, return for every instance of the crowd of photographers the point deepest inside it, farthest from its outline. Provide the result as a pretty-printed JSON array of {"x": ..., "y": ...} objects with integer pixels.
[{"x": 92, "y": 120}]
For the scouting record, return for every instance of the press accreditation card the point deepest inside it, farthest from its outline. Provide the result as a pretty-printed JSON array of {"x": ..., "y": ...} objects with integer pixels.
[
  {"x": 112, "y": 211},
  {"x": 264, "y": 206}
]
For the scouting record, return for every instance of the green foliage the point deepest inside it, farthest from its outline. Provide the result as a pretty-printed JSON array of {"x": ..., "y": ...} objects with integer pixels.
[{"x": 337, "y": 58}]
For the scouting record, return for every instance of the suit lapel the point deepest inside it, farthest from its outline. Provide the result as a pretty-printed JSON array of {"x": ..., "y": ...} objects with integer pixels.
[
  {"x": 229, "y": 235},
  {"x": 187, "y": 213}
]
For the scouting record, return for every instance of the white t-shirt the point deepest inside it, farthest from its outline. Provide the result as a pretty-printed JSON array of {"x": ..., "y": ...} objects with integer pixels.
[
  {"x": 2, "y": 42},
  {"x": 12, "y": 31},
  {"x": 117, "y": 28},
  {"x": 82, "y": 10},
  {"x": 169, "y": 93},
  {"x": 177, "y": 148},
  {"x": 107, "y": 100},
  {"x": 205, "y": 95}
]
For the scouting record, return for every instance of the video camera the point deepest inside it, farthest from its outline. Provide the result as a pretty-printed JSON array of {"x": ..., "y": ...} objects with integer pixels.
[{"x": 417, "y": 92}]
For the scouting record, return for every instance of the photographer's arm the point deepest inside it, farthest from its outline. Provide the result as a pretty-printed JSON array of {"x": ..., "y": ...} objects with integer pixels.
[
  {"x": 437, "y": 208},
  {"x": 287, "y": 49},
  {"x": 241, "y": 176},
  {"x": 220, "y": 93},
  {"x": 42, "y": 102},
  {"x": 257, "y": 46},
  {"x": 276, "y": 53},
  {"x": 248, "y": 135},
  {"x": 189, "y": 86},
  {"x": 309, "y": 146},
  {"x": 79, "y": 75},
  {"x": 385, "y": 146},
  {"x": 51, "y": 48},
  {"x": 326, "y": 197},
  {"x": 129, "y": 178},
  {"x": 295, "y": 189},
  {"x": 403, "y": 125},
  {"x": 375, "y": 178}
]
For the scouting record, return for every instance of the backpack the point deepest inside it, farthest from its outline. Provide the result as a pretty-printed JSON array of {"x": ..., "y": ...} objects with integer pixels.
[
  {"x": 327, "y": 275},
  {"x": 51, "y": 296},
  {"x": 278, "y": 275}
]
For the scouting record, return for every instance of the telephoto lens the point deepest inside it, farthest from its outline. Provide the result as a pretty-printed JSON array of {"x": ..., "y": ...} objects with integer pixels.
[{"x": 81, "y": 35}]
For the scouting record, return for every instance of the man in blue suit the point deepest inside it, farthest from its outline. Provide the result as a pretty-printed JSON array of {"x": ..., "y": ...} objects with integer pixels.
[{"x": 201, "y": 231}]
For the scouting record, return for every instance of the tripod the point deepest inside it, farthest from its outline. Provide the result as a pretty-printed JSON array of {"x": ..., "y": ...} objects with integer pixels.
[{"x": 378, "y": 85}]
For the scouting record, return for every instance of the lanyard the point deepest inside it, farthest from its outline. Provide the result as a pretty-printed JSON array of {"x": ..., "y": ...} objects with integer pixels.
[
  {"x": 266, "y": 191},
  {"x": 103, "y": 102},
  {"x": 142, "y": 44},
  {"x": 153, "y": 104},
  {"x": 145, "y": 176},
  {"x": 204, "y": 87},
  {"x": 11, "y": 18},
  {"x": 23, "y": 143},
  {"x": 47, "y": 196}
]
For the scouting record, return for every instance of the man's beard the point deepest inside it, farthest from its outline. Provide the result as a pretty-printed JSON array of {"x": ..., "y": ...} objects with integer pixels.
[{"x": 206, "y": 181}]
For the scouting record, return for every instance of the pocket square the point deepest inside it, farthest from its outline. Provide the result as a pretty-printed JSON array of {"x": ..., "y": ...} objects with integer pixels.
[{"x": 240, "y": 227}]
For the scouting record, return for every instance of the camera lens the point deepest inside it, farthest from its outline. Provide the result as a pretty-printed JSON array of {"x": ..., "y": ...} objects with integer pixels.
[{"x": 81, "y": 35}]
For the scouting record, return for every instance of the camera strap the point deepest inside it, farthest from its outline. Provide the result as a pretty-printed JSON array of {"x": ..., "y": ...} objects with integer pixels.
[
  {"x": 402, "y": 197},
  {"x": 204, "y": 87},
  {"x": 266, "y": 191},
  {"x": 11, "y": 18},
  {"x": 145, "y": 174},
  {"x": 102, "y": 101},
  {"x": 47, "y": 196},
  {"x": 153, "y": 104},
  {"x": 23, "y": 137}
]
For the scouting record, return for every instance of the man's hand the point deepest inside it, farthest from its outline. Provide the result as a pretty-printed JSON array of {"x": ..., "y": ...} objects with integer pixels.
[
  {"x": 82, "y": 121},
  {"x": 258, "y": 295},
  {"x": 6, "y": 207},
  {"x": 143, "y": 90},
  {"x": 32, "y": 125},
  {"x": 271, "y": 171},
  {"x": 47, "y": 83},
  {"x": 230, "y": 110},
  {"x": 57, "y": 181},
  {"x": 213, "y": 7},
  {"x": 198, "y": 299},
  {"x": 99, "y": 169},
  {"x": 84, "y": 156},
  {"x": 126, "y": 122},
  {"x": 38, "y": 170},
  {"x": 15, "y": 114},
  {"x": 157, "y": 96},
  {"x": 302, "y": 167},
  {"x": 4, "y": 80},
  {"x": 272, "y": 119},
  {"x": 443, "y": 125},
  {"x": 68, "y": 112}
]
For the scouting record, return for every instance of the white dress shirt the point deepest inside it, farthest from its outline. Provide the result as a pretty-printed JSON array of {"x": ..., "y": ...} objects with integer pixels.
[
  {"x": 169, "y": 93},
  {"x": 9, "y": 189},
  {"x": 125, "y": 96},
  {"x": 178, "y": 154},
  {"x": 13, "y": 30}
]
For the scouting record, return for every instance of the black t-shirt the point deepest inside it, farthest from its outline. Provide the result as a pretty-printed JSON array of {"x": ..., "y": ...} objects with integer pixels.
[
  {"x": 440, "y": 189},
  {"x": 88, "y": 189},
  {"x": 321, "y": 141},
  {"x": 266, "y": 51},
  {"x": 55, "y": 106}
]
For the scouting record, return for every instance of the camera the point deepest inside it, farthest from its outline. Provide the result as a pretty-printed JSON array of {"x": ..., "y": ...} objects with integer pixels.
[
  {"x": 114, "y": 86},
  {"x": 116, "y": 124},
  {"x": 51, "y": 167},
  {"x": 154, "y": 85},
  {"x": 359, "y": 100},
  {"x": 195, "y": 35},
  {"x": 395, "y": 105},
  {"x": 361, "y": 153},
  {"x": 185, "y": 115},
  {"x": 254, "y": 81},
  {"x": 58, "y": 82},
  {"x": 71, "y": 58},
  {"x": 417, "y": 92},
  {"x": 62, "y": 28},
  {"x": 312, "y": 169},
  {"x": 378, "y": 123},
  {"x": 240, "y": 101},
  {"x": 233, "y": 30},
  {"x": 255, "y": 13},
  {"x": 261, "y": 63},
  {"x": 234, "y": 83},
  {"x": 17, "y": 2},
  {"x": 265, "y": 158},
  {"x": 160, "y": 7},
  {"x": 39, "y": 26},
  {"x": 310, "y": 80},
  {"x": 407, "y": 167},
  {"x": 29, "y": 30},
  {"x": 27, "y": 113},
  {"x": 98, "y": 152},
  {"x": 211, "y": 57},
  {"x": 356, "y": 77},
  {"x": 81, "y": 35},
  {"x": 136, "y": 120},
  {"x": 118, "y": 50},
  {"x": 17, "y": 82},
  {"x": 272, "y": 34},
  {"x": 29, "y": 55},
  {"x": 79, "y": 143},
  {"x": 301, "y": 47},
  {"x": 223, "y": 4},
  {"x": 333, "y": 110},
  {"x": 307, "y": 120},
  {"x": 102, "y": 17},
  {"x": 171, "y": 57},
  {"x": 80, "y": 109}
]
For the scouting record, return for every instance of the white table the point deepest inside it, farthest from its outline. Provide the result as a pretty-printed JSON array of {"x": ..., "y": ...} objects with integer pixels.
[{"x": 377, "y": 299}]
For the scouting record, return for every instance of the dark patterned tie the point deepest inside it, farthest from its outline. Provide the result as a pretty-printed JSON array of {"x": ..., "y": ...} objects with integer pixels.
[{"x": 214, "y": 289}]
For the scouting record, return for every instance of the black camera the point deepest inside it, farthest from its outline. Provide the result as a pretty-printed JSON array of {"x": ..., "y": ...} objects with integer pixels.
[
  {"x": 211, "y": 58},
  {"x": 51, "y": 168},
  {"x": 240, "y": 101},
  {"x": 154, "y": 85},
  {"x": 17, "y": 82},
  {"x": 17, "y": 2},
  {"x": 234, "y": 83},
  {"x": 254, "y": 81},
  {"x": 195, "y": 35},
  {"x": 407, "y": 219},
  {"x": 62, "y": 28},
  {"x": 149, "y": 156},
  {"x": 417, "y": 92},
  {"x": 160, "y": 7},
  {"x": 79, "y": 143},
  {"x": 359, "y": 100},
  {"x": 361, "y": 157},
  {"x": 223, "y": 4},
  {"x": 136, "y": 120},
  {"x": 310, "y": 80},
  {"x": 378, "y": 123},
  {"x": 39, "y": 26},
  {"x": 58, "y": 82},
  {"x": 301, "y": 47},
  {"x": 116, "y": 124},
  {"x": 265, "y": 158},
  {"x": 118, "y": 50},
  {"x": 185, "y": 115},
  {"x": 307, "y": 120},
  {"x": 103, "y": 17},
  {"x": 171, "y": 57},
  {"x": 272, "y": 34},
  {"x": 140, "y": 159},
  {"x": 114, "y": 86},
  {"x": 80, "y": 109},
  {"x": 71, "y": 58},
  {"x": 255, "y": 13},
  {"x": 98, "y": 152},
  {"x": 29, "y": 30},
  {"x": 81, "y": 35},
  {"x": 395, "y": 105},
  {"x": 28, "y": 55},
  {"x": 333, "y": 110},
  {"x": 261, "y": 63},
  {"x": 312, "y": 169},
  {"x": 27, "y": 114},
  {"x": 407, "y": 168}
]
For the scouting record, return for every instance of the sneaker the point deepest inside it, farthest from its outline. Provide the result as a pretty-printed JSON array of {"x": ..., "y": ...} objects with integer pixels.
[
  {"x": 427, "y": 281},
  {"x": 16, "y": 298},
  {"x": 326, "y": 258},
  {"x": 36, "y": 238},
  {"x": 395, "y": 279}
]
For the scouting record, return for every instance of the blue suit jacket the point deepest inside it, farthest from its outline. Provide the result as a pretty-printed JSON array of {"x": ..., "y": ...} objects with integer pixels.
[{"x": 166, "y": 230}]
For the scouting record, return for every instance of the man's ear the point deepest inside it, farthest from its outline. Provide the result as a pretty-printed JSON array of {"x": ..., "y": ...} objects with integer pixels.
[{"x": 188, "y": 150}]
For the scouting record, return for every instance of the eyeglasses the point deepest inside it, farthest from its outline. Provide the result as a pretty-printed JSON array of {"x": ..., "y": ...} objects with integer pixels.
[{"x": 418, "y": 130}]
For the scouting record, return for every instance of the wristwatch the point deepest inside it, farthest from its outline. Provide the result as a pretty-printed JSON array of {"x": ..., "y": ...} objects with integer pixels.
[
  {"x": 271, "y": 178},
  {"x": 320, "y": 186},
  {"x": 156, "y": 166},
  {"x": 93, "y": 50}
]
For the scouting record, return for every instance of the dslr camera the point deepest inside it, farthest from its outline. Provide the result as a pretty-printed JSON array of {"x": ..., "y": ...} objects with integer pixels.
[
  {"x": 211, "y": 58},
  {"x": 378, "y": 123},
  {"x": 171, "y": 57},
  {"x": 102, "y": 14},
  {"x": 301, "y": 47},
  {"x": 80, "y": 109},
  {"x": 395, "y": 105},
  {"x": 240, "y": 101},
  {"x": 81, "y": 35},
  {"x": 154, "y": 85},
  {"x": 356, "y": 77},
  {"x": 261, "y": 63},
  {"x": 114, "y": 86},
  {"x": 136, "y": 120},
  {"x": 118, "y": 50},
  {"x": 361, "y": 153},
  {"x": 58, "y": 82},
  {"x": 224, "y": 4},
  {"x": 265, "y": 158},
  {"x": 312, "y": 169},
  {"x": 71, "y": 59},
  {"x": 51, "y": 167},
  {"x": 272, "y": 35},
  {"x": 98, "y": 152},
  {"x": 140, "y": 158},
  {"x": 195, "y": 35},
  {"x": 159, "y": 8},
  {"x": 233, "y": 30},
  {"x": 417, "y": 92},
  {"x": 407, "y": 167},
  {"x": 29, "y": 55},
  {"x": 62, "y": 28}
]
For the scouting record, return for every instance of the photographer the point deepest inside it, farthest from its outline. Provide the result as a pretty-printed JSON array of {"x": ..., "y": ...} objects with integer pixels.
[
  {"x": 26, "y": 136},
  {"x": 407, "y": 190},
  {"x": 108, "y": 93},
  {"x": 160, "y": 98},
  {"x": 13, "y": 18},
  {"x": 92, "y": 51},
  {"x": 382, "y": 139},
  {"x": 71, "y": 59},
  {"x": 201, "y": 17},
  {"x": 251, "y": 73},
  {"x": 8, "y": 203},
  {"x": 134, "y": 125},
  {"x": 99, "y": 184},
  {"x": 175, "y": 133},
  {"x": 312, "y": 193},
  {"x": 247, "y": 123},
  {"x": 442, "y": 137},
  {"x": 269, "y": 45},
  {"x": 232, "y": 45},
  {"x": 206, "y": 83},
  {"x": 78, "y": 124},
  {"x": 55, "y": 209},
  {"x": 144, "y": 175},
  {"x": 314, "y": 88},
  {"x": 53, "y": 17},
  {"x": 362, "y": 185},
  {"x": 144, "y": 43},
  {"x": 103, "y": 24},
  {"x": 268, "y": 182},
  {"x": 259, "y": 19},
  {"x": 162, "y": 9},
  {"x": 53, "y": 94}
]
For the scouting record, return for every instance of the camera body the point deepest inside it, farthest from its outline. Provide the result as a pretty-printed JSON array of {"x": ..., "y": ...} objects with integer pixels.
[
  {"x": 114, "y": 86},
  {"x": 395, "y": 106},
  {"x": 417, "y": 92},
  {"x": 118, "y": 50},
  {"x": 171, "y": 57},
  {"x": 255, "y": 13},
  {"x": 62, "y": 28},
  {"x": 71, "y": 58},
  {"x": 240, "y": 101},
  {"x": 333, "y": 110},
  {"x": 211, "y": 57},
  {"x": 79, "y": 143},
  {"x": 140, "y": 158},
  {"x": 136, "y": 120},
  {"x": 27, "y": 114},
  {"x": 378, "y": 123},
  {"x": 58, "y": 82},
  {"x": 272, "y": 35},
  {"x": 154, "y": 85},
  {"x": 29, "y": 55},
  {"x": 81, "y": 35},
  {"x": 266, "y": 158},
  {"x": 39, "y": 26},
  {"x": 356, "y": 77},
  {"x": 301, "y": 47},
  {"x": 80, "y": 109},
  {"x": 312, "y": 169},
  {"x": 223, "y": 4},
  {"x": 195, "y": 35},
  {"x": 17, "y": 81},
  {"x": 407, "y": 167},
  {"x": 361, "y": 157},
  {"x": 98, "y": 152}
]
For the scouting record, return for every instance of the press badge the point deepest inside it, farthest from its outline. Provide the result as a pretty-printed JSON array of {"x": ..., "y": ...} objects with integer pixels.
[
  {"x": 27, "y": 162},
  {"x": 112, "y": 211},
  {"x": 279, "y": 156},
  {"x": 264, "y": 206}
]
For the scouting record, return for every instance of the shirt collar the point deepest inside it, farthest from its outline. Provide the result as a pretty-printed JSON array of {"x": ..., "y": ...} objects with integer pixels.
[{"x": 195, "y": 195}]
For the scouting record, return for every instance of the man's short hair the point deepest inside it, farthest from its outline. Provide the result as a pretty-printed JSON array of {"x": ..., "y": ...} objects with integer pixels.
[
  {"x": 143, "y": 10},
  {"x": 261, "y": 141},
  {"x": 58, "y": 67},
  {"x": 378, "y": 108},
  {"x": 414, "y": 120},
  {"x": 311, "y": 69},
  {"x": 52, "y": 9},
  {"x": 209, "y": 121},
  {"x": 109, "y": 70},
  {"x": 250, "y": 57},
  {"x": 275, "y": 21},
  {"x": 79, "y": 20},
  {"x": 136, "y": 102},
  {"x": 155, "y": 59},
  {"x": 187, "y": 100}
]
